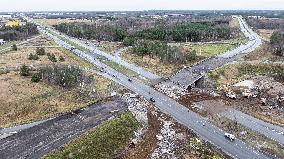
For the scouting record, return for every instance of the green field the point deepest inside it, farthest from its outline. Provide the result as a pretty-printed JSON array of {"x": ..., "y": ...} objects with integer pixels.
[
  {"x": 103, "y": 142},
  {"x": 209, "y": 50}
]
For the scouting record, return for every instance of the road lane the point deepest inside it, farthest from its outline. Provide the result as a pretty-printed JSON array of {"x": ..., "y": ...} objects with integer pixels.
[{"x": 274, "y": 132}]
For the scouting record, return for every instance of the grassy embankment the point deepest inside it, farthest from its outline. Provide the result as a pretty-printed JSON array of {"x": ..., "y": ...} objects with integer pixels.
[{"x": 103, "y": 142}]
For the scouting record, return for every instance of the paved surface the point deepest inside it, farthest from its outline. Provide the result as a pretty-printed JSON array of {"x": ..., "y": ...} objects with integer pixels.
[
  {"x": 209, "y": 132},
  {"x": 274, "y": 132},
  {"x": 6, "y": 132},
  {"x": 37, "y": 141},
  {"x": 186, "y": 77},
  {"x": 141, "y": 71}
]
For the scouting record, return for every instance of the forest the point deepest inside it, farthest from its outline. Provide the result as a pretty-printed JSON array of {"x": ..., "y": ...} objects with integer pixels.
[{"x": 18, "y": 33}]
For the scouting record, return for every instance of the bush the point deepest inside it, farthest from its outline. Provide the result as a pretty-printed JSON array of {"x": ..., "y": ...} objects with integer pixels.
[
  {"x": 36, "y": 77},
  {"x": 52, "y": 58},
  {"x": 64, "y": 76},
  {"x": 14, "y": 47},
  {"x": 277, "y": 43},
  {"x": 61, "y": 58},
  {"x": 40, "y": 51},
  {"x": 24, "y": 70},
  {"x": 33, "y": 56}
]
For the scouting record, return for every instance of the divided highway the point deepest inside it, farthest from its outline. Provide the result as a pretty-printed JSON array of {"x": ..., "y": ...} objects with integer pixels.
[
  {"x": 274, "y": 132},
  {"x": 193, "y": 121},
  {"x": 186, "y": 77}
]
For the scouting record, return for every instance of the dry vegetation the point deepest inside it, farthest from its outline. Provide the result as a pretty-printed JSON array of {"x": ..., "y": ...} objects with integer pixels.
[
  {"x": 154, "y": 65},
  {"x": 110, "y": 47},
  {"x": 265, "y": 33},
  {"x": 52, "y": 22},
  {"x": 23, "y": 101}
]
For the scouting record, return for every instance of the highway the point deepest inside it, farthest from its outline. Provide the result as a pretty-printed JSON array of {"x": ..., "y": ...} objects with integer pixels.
[
  {"x": 187, "y": 76},
  {"x": 209, "y": 132},
  {"x": 274, "y": 132},
  {"x": 117, "y": 59}
]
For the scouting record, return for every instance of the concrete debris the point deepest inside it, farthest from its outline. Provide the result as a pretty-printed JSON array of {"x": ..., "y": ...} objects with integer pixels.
[
  {"x": 231, "y": 95},
  {"x": 137, "y": 108},
  {"x": 166, "y": 147},
  {"x": 170, "y": 90}
]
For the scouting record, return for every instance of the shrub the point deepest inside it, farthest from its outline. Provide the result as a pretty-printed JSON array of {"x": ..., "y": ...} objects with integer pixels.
[
  {"x": 52, "y": 58},
  {"x": 36, "y": 77},
  {"x": 33, "y": 56},
  {"x": 14, "y": 47},
  {"x": 277, "y": 43},
  {"x": 24, "y": 70},
  {"x": 40, "y": 51},
  {"x": 61, "y": 58}
]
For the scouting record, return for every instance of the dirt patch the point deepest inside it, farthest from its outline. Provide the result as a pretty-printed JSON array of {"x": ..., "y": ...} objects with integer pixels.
[
  {"x": 144, "y": 148},
  {"x": 203, "y": 102}
]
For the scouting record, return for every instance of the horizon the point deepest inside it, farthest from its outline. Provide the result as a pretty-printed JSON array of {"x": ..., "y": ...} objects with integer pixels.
[{"x": 137, "y": 5}]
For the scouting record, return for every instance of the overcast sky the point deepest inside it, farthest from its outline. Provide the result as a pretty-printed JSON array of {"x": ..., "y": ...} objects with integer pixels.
[{"x": 108, "y": 5}]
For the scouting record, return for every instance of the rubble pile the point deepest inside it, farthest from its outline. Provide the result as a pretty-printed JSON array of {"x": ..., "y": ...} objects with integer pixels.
[
  {"x": 137, "y": 106},
  {"x": 266, "y": 89},
  {"x": 171, "y": 90},
  {"x": 166, "y": 147}
]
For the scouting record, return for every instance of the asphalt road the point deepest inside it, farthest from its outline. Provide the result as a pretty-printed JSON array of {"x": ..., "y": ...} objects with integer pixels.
[
  {"x": 37, "y": 141},
  {"x": 193, "y": 121},
  {"x": 274, "y": 132},
  {"x": 117, "y": 59},
  {"x": 188, "y": 76}
]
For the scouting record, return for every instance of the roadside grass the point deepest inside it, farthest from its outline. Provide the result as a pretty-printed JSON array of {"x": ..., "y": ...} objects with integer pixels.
[
  {"x": 234, "y": 23},
  {"x": 120, "y": 68},
  {"x": 154, "y": 65},
  {"x": 103, "y": 142},
  {"x": 81, "y": 62},
  {"x": 109, "y": 47},
  {"x": 204, "y": 150},
  {"x": 8, "y": 44},
  {"x": 52, "y": 22},
  {"x": 262, "y": 54},
  {"x": 251, "y": 137},
  {"x": 265, "y": 33},
  {"x": 22, "y": 101},
  {"x": 230, "y": 74},
  {"x": 207, "y": 49},
  {"x": 68, "y": 41}
]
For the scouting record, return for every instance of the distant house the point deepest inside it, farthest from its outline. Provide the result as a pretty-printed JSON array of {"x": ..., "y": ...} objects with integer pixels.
[{"x": 2, "y": 41}]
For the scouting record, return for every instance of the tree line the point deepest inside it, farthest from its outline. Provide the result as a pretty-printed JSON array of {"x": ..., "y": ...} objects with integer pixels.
[
  {"x": 165, "y": 52},
  {"x": 193, "y": 32},
  {"x": 153, "y": 41},
  {"x": 19, "y": 32}
]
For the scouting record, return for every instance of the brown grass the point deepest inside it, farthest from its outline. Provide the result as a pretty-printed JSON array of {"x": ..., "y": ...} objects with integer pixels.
[
  {"x": 265, "y": 33},
  {"x": 52, "y": 22},
  {"x": 20, "y": 57},
  {"x": 22, "y": 101}
]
